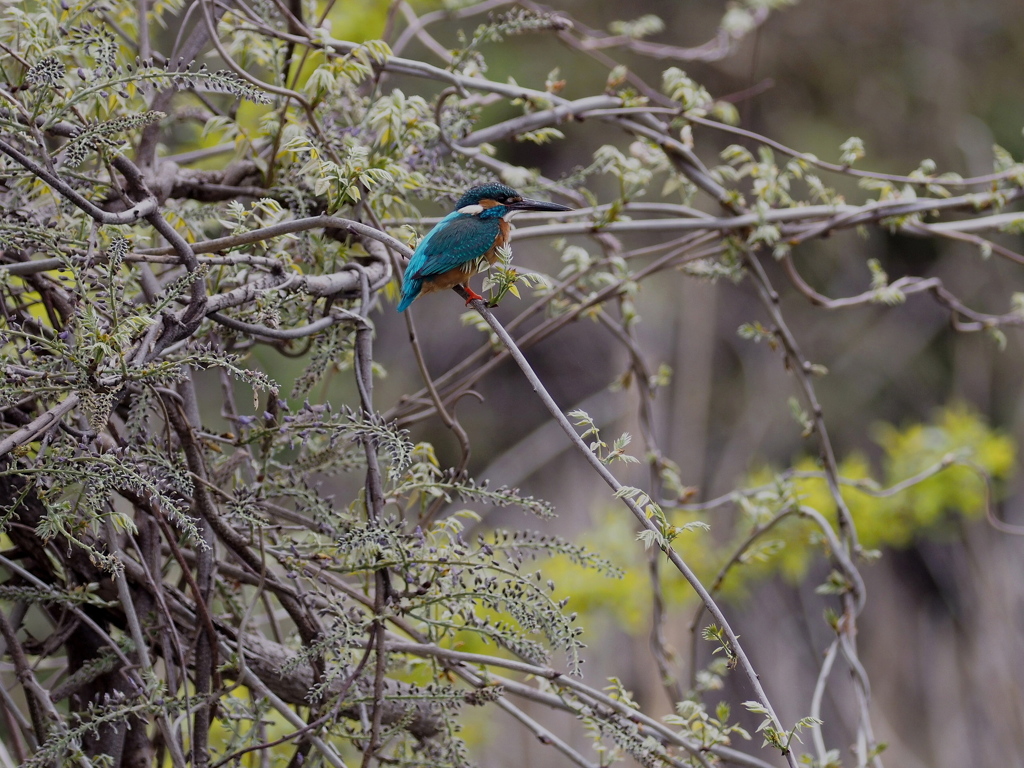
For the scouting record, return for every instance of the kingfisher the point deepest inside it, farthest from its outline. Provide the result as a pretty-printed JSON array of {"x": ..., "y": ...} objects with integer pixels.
[{"x": 453, "y": 251}]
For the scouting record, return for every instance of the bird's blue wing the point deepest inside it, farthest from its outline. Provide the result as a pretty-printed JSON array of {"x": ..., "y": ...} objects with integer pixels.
[{"x": 458, "y": 238}]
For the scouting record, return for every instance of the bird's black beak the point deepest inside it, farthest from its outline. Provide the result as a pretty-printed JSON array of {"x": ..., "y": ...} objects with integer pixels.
[{"x": 537, "y": 205}]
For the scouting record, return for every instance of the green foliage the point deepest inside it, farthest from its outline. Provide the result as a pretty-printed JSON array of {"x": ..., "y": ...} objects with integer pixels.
[
  {"x": 644, "y": 26},
  {"x": 944, "y": 465},
  {"x": 98, "y": 138},
  {"x": 781, "y": 740},
  {"x": 479, "y": 596},
  {"x": 883, "y": 292},
  {"x": 633, "y": 172},
  {"x": 945, "y": 461},
  {"x": 958, "y": 437},
  {"x": 598, "y": 446},
  {"x": 502, "y": 278},
  {"x": 692, "y": 96},
  {"x": 63, "y": 743},
  {"x": 707, "y": 729},
  {"x": 852, "y": 151}
]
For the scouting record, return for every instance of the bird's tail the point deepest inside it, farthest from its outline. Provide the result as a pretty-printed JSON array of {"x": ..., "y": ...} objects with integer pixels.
[{"x": 410, "y": 290}]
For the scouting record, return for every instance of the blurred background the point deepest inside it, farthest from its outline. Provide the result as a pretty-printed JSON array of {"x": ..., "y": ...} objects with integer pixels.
[{"x": 941, "y": 637}]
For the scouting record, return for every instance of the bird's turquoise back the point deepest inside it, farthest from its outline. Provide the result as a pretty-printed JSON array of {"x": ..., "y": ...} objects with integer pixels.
[{"x": 459, "y": 238}]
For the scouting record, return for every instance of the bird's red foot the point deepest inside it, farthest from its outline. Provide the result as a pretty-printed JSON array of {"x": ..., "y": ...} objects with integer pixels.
[{"x": 472, "y": 295}]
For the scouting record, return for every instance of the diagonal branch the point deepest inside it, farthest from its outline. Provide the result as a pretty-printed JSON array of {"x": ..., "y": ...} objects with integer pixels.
[{"x": 640, "y": 515}]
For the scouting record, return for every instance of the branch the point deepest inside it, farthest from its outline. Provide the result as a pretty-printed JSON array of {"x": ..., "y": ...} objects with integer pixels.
[
  {"x": 986, "y": 179},
  {"x": 723, "y": 44},
  {"x": 639, "y": 514},
  {"x": 269, "y": 661},
  {"x": 251, "y": 680},
  {"x": 138, "y": 211},
  {"x": 40, "y": 424}
]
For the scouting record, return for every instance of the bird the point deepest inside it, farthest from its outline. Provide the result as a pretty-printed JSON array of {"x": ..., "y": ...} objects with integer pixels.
[{"x": 453, "y": 251}]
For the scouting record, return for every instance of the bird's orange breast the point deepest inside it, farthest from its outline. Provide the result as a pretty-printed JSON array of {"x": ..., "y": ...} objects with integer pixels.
[{"x": 502, "y": 240}]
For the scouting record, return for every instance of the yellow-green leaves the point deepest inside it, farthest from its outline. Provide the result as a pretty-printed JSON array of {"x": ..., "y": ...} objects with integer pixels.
[
  {"x": 852, "y": 150},
  {"x": 644, "y": 26},
  {"x": 690, "y": 94}
]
